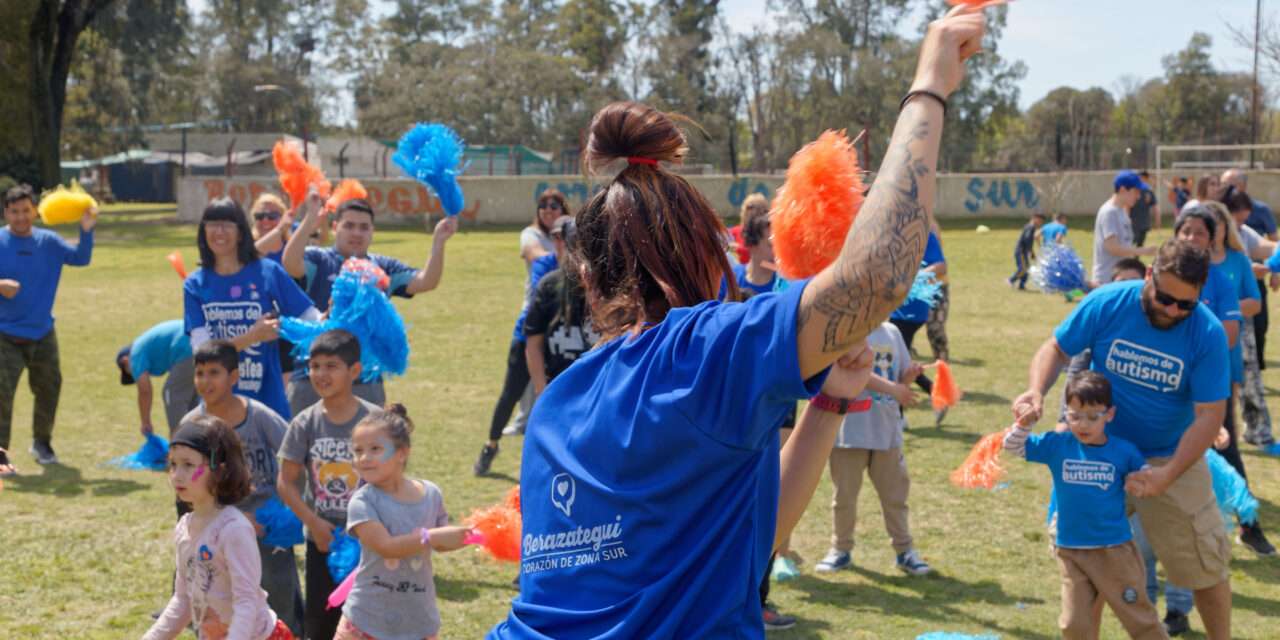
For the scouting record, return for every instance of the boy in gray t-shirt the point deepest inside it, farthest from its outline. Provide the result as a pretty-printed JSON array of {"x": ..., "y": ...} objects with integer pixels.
[{"x": 870, "y": 442}]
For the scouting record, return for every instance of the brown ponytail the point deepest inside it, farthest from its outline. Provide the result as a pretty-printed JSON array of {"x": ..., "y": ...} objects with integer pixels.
[
  {"x": 648, "y": 241},
  {"x": 393, "y": 420}
]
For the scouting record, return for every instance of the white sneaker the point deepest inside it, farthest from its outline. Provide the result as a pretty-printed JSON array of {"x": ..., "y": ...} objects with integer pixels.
[
  {"x": 910, "y": 562},
  {"x": 513, "y": 430}
]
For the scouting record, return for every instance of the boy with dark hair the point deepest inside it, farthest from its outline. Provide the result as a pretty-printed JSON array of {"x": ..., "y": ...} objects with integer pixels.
[
  {"x": 317, "y": 447},
  {"x": 261, "y": 431},
  {"x": 1024, "y": 252},
  {"x": 1054, "y": 232},
  {"x": 316, "y": 268},
  {"x": 162, "y": 350},
  {"x": 31, "y": 262},
  {"x": 1094, "y": 545}
]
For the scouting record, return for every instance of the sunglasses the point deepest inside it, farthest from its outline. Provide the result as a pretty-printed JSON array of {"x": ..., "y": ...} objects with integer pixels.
[
  {"x": 1167, "y": 300},
  {"x": 549, "y": 204},
  {"x": 266, "y": 215}
]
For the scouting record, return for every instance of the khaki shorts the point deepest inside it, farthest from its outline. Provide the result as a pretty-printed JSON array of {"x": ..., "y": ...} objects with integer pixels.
[{"x": 1185, "y": 528}]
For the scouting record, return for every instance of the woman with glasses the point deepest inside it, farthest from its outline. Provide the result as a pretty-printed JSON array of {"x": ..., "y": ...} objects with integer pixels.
[
  {"x": 272, "y": 225},
  {"x": 236, "y": 295},
  {"x": 538, "y": 250}
]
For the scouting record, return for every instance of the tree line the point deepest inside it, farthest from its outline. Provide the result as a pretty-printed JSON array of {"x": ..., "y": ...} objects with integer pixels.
[{"x": 532, "y": 72}]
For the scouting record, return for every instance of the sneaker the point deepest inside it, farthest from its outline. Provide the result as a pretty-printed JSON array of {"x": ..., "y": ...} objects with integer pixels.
[
  {"x": 513, "y": 430},
  {"x": 6, "y": 467},
  {"x": 1251, "y": 536},
  {"x": 909, "y": 561},
  {"x": 1176, "y": 624},
  {"x": 834, "y": 561},
  {"x": 487, "y": 454},
  {"x": 939, "y": 416},
  {"x": 774, "y": 621},
  {"x": 43, "y": 452},
  {"x": 784, "y": 569}
]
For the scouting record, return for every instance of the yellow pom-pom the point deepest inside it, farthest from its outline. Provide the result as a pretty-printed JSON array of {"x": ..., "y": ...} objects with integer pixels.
[{"x": 65, "y": 205}]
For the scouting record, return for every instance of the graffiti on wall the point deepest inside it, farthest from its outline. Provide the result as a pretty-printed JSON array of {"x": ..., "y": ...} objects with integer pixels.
[
  {"x": 1017, "y": 194},
  {"x": 580, "y": 191},
  {"x": 401, "y": 199}
]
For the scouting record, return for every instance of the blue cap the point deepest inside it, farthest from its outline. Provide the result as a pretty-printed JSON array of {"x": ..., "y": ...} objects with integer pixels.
[{"x": 1129, "y": 179}]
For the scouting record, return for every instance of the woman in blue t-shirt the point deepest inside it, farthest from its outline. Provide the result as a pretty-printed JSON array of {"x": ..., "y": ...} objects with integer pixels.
[
  {"x": 236, "y": 295},
  {"x": 653, "y": 486}
]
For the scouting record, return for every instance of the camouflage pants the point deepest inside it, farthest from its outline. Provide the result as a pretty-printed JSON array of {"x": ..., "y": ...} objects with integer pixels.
[
  {"x": 1257, "y": 418},
  {"x": 936, "y": 327},
  {"x": 44, "y": 377}
]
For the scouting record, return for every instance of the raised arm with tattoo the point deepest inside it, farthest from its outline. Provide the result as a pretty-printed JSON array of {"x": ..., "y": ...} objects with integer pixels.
[{"x": 882, "y": 253}]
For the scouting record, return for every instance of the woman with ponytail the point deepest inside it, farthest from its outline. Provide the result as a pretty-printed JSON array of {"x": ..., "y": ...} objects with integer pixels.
[{"x": 653, "y": 487}]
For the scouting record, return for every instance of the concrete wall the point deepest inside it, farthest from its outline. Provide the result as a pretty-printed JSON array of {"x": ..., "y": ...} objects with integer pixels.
[{"x": 510, "y": 200}]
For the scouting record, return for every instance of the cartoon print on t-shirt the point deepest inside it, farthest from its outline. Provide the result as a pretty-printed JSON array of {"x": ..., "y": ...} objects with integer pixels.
[{"x": 335, "y": 482}]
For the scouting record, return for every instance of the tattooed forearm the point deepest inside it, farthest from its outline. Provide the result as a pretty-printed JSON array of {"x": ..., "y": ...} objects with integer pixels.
[{"x": 878, "y": 265}]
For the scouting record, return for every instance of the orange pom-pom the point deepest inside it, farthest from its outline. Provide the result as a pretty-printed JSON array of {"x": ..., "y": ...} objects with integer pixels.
[
  {"x": 945, "y": 392},
  {"x": 500, "y": 526},
  {"x": 982, "y": 467},
  {"x": 512, "y": 500},
  {"x": 814, "y": 209},
  {"x": 175, "y": 261},
  {"x": 347, "y": 189},
  {"x": 296, "y": 174}
]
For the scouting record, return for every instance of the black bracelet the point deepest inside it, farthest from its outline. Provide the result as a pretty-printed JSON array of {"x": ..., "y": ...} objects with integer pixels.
[{"x": 924, "y": 92}]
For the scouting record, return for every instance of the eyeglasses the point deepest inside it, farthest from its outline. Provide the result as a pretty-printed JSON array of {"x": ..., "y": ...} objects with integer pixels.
[
  {"x": 549, "y": 204},
  {"x": 266, "y": 215},
  {"x": 220, "y": 225},
  {"x": 1167, "y": 300},
  {"x": 1074, "y": 417}
]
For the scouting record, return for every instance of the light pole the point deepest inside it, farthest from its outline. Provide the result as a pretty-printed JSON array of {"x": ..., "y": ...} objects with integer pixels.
[{"x": 302, "y": 123}]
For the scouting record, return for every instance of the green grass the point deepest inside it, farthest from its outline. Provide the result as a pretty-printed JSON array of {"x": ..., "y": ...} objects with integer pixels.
[{"x": 85, "y": 551}]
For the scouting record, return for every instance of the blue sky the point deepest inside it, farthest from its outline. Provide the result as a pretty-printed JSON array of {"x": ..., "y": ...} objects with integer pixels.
[{"x": 1092, "y": 43}]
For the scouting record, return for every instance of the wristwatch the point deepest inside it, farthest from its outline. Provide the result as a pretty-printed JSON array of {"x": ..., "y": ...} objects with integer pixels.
[{"x": 839, "y": 406}]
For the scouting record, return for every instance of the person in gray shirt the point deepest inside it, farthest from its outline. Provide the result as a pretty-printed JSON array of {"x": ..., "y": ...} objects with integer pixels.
[{"x": 1112, "y": 231}]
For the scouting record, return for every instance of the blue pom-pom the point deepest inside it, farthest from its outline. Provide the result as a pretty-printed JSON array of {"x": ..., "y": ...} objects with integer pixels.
[
  {"x": 153, "y": 455},
  {"x": 926, "y": 289},
  {"x": 431, "y": 154},
  {"x": 281, "y": 528},
  {"x": 1234, "y": 499},
  {"x": 344, "y": 556},
  {"x": 361, "y": 308},
  {"x": 1059, "y": 270}
]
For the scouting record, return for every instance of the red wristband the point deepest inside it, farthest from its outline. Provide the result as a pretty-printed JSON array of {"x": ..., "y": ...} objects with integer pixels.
[{"x": 839, "y": 405}]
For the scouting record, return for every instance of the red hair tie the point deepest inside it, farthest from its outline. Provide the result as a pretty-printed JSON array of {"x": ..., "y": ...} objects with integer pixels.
[{"x": 639, "y": 160}]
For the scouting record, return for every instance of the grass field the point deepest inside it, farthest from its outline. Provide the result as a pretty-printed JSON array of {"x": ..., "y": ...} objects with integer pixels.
[{"x": 85, "y": 551}]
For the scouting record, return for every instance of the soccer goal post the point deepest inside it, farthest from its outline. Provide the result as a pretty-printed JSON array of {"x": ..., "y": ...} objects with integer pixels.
[{"x": 1178, "y": 159}]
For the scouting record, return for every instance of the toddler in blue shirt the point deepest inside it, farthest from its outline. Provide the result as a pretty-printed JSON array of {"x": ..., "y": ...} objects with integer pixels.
[{"x": 1094, "y": 545}]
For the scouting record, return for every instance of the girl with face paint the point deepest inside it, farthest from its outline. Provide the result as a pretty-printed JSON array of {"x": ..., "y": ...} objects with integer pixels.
[
  {"x": 216, "y": 589},
  {"x": 399, "y": 522}
]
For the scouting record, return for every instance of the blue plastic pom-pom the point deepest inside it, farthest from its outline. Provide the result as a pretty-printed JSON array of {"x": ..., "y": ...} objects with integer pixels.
[
  {"x": 1059, "y": 270},
  {"x": 153, "y": 455},
  {"x": 1234, "y": 499},
  {"x": 926, "y": 288},
  {"x": 344, "y": 556},
  {"x": 281, "y": 528},
  {"x": 431, "y": 153}
]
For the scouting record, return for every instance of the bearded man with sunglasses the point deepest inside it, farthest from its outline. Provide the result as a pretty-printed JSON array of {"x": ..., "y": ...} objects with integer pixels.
[{"x": 1165, "y": 355}]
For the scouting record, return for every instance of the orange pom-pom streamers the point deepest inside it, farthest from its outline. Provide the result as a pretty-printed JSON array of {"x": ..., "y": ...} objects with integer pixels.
[
  {"x": 982, "y": 467},
  {"x": 175, "y": 261},
  {"x": 500, "y": 526},
  {"x": 814, "y": 209},
  {"x": 945, "y": 392},
  {"x": 296, "y": 174},
  {"x": 348, "y": 189}
]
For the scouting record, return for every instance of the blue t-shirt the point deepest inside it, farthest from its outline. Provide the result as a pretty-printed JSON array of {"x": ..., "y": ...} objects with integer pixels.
[
  {"x": 1157, "y": 375},
  {"x": 744, "y": 285},
  {"x": 159, "y": 348},
  {"x": 1261, "y": 219},
  {"x": 541, "y": 266},
  {"x": 918, "y": 310},
  {"x": 228, "y": 305},
  {"x": 323, "y": 264},
  {"x": 36, "y": 261},
  {"x": 650, "y": 478},
  {"x": 1238, "y": 271},
  {"x": 1088, "y": 486},
  {"x": 1050, "y": 232}
]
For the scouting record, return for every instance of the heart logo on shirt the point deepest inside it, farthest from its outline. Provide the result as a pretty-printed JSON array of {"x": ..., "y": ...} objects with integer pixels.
[
  {"x": 562, "y": 487},
  {"x": 392, "y": 563},
  {"x": 416, "y": 563}
]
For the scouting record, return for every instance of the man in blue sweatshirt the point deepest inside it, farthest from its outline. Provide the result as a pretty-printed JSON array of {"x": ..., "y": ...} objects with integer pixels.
[{"x": 31, "y": 262}]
